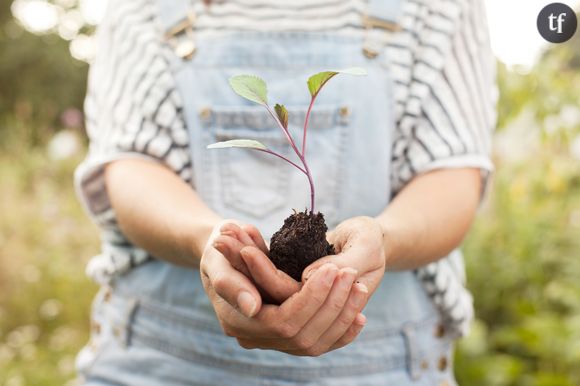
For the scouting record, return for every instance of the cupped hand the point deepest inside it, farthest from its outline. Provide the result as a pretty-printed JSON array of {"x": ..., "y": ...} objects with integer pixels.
[{"x": 322, "y": 315}]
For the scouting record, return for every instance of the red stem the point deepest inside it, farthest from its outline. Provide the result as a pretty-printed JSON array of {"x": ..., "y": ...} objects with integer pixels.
[
  {"x": 282, "y": 157},
  {"x": 304, "y": 131},
  {"x": 299, "y": 154},
  {"x": 311, "y": 182}
]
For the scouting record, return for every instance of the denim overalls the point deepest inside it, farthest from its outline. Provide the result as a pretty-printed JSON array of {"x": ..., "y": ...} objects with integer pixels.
[{"x": 156, "y": 326}]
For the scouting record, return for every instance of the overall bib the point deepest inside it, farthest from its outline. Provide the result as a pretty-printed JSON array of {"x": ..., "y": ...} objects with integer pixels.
[{"x": 156, "y": 325}]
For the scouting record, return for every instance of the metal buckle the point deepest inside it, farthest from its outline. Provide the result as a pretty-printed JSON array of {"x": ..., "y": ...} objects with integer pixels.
[
  {"x": 371, "y": 47},
  {"x": 370, "y": 53},
  {"x": 373, "y": 22},
  {"x": 181, "y": 37}
]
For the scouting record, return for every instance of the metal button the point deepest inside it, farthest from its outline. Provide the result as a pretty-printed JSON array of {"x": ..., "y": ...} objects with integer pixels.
[
  {"x": 424, "y": 365},
  {"x": 117, "y": 331},
  {"x": 344, "y": 111},
  {"x": 442, "y": 363},
  {"x": 439, "y": 331},
  {"x": 96, "y": 327},
  {"x": 370, "y": 53},
  {"x": 107, "y": 295},
  {"x": 205, "y": 113},
  {"x": 185, "y": 49}
]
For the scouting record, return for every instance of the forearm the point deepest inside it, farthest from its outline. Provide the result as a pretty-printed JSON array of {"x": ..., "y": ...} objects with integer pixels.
[
  {"x": 429, "y": 217},
  {"x": 158, "y": 211}
]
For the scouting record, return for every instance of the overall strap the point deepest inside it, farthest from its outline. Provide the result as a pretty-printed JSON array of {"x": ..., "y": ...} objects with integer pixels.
[
  {"x": 171, "y": 12},
  {"x": 382, "y": 17},
  {"x": 385, "y": 14}
]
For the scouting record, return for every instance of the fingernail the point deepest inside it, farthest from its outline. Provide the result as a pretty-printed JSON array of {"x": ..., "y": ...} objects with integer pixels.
[
  {"x": 362, "y": 288},
  {"x": 247, "y": 304},
  {"x": 347, "y": 276},
  {"x": 360, "y": 295},
  {"x": 360, "y": 319}
]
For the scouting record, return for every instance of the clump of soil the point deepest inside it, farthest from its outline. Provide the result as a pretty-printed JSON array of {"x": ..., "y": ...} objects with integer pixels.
[{"x": 300, "y": 242}]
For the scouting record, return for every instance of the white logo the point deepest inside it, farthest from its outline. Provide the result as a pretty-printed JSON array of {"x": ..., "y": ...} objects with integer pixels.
[{"x": 559, "y": 19}]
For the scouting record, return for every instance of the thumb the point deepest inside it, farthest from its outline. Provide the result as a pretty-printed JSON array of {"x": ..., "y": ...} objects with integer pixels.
[
  {"x": 275, "y": 283},
  {"x": 334, "y": 259},
  {"x": 232, "y": 286}
]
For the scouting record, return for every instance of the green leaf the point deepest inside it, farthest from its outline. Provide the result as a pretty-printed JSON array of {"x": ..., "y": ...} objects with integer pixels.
[
  {"x": 247, "y": 143},
  {"x": 282, "y": 114},
  {"x": 316, "y": 81},
  {"x": 250, "y": 87}
]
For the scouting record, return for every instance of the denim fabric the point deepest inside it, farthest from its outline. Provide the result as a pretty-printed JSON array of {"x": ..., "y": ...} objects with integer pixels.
[
  {"x": 156, "y": 326},
  {"x": 141, "y": 340}
]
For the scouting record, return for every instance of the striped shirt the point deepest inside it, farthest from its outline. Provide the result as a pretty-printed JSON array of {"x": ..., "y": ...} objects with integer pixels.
[{"x": 444, "y": 89}]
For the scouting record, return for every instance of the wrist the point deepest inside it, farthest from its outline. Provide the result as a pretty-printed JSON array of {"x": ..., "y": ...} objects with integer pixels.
[
  {"x": 201, "y": 234},
  {"x": 391, "y": 245}
]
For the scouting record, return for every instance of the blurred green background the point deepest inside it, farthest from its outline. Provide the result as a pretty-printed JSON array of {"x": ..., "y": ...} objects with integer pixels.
[{"x": 523, "y": 254}]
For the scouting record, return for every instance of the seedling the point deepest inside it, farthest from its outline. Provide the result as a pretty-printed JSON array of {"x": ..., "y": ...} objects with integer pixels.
[{"x": 302, "y": 239}]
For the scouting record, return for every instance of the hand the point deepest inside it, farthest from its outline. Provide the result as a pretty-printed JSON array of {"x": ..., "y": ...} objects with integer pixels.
[
  {"x": 319, "y": 317},
  {"x": 359, "y": 244}
]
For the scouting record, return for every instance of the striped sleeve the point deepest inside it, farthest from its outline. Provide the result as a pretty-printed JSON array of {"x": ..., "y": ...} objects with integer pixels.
[
  {"x": 132, "y": 106},
  {"x": 445, "y": 89}
]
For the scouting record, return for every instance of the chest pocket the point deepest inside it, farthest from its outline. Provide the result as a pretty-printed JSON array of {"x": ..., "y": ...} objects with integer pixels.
[{"x": 256, "y": 184}]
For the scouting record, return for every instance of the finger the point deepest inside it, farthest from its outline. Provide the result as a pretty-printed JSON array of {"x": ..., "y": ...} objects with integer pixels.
[
  {"x": 237, "y": 325},
  {"x": 354, "y": 305},
  {"x": 255, "y": 235},
  {"x": 317, "y": 325},
  {"x": 233, "y": 230},
  {"x": 231, "y": 285},
  {"x": 353, "y": 331},
  {"x": 295, "y": 312},
  {"x": 326, "y": 316},
  {"x": 230, "y": 248},
  {"x": 285, "y": 321},
  {"x": 276, "y": 283}
]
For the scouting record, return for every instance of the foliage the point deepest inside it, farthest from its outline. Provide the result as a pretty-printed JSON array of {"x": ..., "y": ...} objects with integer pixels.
[
  {"x": 524, "y": 268},
  {"x": 38, "y": 80},
  {"x": 244, "y": 143},
  {"x": 317, "y": 81},
  {"x": 523, "y": 253},
  {"x": 45, "y": 240}
]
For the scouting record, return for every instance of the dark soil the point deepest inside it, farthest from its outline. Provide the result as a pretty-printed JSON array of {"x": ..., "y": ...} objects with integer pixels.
[{"x": 300, "y": 242}]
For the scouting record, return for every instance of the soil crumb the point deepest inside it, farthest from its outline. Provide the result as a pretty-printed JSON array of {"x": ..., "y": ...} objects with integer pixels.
[{"x": 300, "y": 242}]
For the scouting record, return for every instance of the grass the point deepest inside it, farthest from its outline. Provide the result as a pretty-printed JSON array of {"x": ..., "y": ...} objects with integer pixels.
[{"x": 45, "y": 241}]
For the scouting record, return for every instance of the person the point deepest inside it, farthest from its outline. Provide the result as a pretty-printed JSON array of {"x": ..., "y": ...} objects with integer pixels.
[{"x": 400, "y": 160}]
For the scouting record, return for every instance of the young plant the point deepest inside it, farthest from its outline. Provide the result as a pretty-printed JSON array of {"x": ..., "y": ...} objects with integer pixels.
[
  {"x": 255, "y": 89},
  {"x": 302, "y": 238}
]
